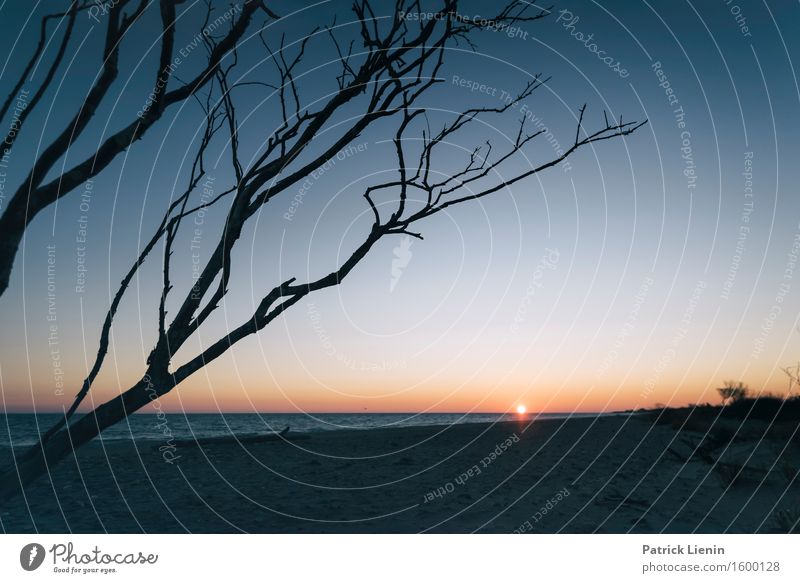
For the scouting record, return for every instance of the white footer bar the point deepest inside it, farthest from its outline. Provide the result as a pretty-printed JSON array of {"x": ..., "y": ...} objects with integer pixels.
[{"x": 401, "y": 558}]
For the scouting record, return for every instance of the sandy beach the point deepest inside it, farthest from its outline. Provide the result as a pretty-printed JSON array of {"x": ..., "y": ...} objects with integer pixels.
[{"x": 606, "y": 474}]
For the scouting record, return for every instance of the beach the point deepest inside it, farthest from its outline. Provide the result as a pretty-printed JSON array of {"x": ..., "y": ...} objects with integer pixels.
[{"x": 607, "y": 474}]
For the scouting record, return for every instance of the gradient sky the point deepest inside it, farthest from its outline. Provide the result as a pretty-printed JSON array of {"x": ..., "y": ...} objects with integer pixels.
[{"x": 606, "y": 284}]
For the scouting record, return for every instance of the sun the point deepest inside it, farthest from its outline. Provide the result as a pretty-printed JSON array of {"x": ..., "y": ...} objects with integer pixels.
[{"x": 521, "y": 409}]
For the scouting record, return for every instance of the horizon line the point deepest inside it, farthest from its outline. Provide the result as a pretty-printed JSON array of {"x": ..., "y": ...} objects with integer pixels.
[{"x": 237, "y": 412}]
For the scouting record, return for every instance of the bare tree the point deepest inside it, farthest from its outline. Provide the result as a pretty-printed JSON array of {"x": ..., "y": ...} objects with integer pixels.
[
  {"x": 732, "y": 391},
  {"x": 399, "y": 63},
  {"x": 35, "y": 192},
  {"x": 793, "y": 374}
]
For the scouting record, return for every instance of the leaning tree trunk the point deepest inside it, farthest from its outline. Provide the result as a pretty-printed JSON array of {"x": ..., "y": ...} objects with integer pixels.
[
  {"x": 39, "y": 459},
  {"x": 12, "y": 229}
]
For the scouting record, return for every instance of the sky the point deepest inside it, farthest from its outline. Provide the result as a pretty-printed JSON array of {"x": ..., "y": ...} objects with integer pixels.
[{"x": 645, "y": 270}]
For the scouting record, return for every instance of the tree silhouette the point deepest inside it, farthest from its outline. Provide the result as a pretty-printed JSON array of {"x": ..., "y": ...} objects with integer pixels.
[
  {"x": 732, "y": 392},
  {"x": 35, "y": 192},
  {"x": 398, "y": 63}
]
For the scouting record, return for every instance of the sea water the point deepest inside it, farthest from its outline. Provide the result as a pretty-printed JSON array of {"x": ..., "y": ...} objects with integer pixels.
[{"x": 20, "y": 429}]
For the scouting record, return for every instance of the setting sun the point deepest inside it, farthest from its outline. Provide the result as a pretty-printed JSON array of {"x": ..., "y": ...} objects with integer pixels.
[{"x": 521, "y": 409}]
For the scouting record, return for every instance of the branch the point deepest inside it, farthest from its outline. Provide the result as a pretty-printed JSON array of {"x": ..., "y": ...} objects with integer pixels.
[
  {"x": 23, "y": 115},
  {"x": 41, "y": 196},
  {"x": 266, "y": 313},
  {"x": 607, "y": 132},
  {"x": 168, "y": 225}
]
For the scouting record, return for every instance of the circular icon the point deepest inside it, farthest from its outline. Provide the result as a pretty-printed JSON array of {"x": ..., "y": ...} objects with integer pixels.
[{"x": 31, "y": 556}]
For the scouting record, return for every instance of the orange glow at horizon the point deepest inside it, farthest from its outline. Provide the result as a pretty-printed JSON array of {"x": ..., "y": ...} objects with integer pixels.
[{"x": 244, "y": 385}]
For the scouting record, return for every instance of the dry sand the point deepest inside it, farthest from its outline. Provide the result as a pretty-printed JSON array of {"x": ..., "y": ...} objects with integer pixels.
[{"x": 608, "y": 474}]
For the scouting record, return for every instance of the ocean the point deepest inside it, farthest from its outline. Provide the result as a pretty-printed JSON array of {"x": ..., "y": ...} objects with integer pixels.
[{"x": 20, "y": 429}]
